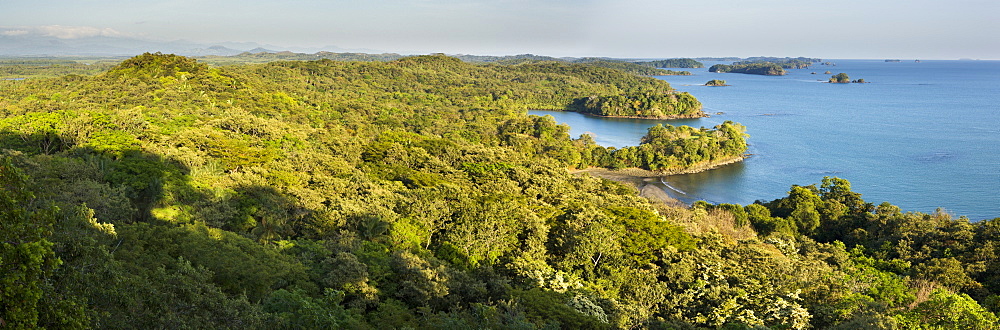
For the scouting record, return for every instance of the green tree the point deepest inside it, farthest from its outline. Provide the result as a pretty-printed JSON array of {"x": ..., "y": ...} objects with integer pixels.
[
  {"x": 840, "y": 78},
  {"x": 27, "y": 259}
]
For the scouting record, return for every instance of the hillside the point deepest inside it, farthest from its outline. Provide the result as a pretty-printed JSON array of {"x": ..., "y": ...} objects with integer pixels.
[{"x": 416, "y": 193}]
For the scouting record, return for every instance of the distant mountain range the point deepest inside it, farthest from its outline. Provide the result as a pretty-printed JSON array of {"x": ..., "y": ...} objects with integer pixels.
[{"x": 38, "y": 45}]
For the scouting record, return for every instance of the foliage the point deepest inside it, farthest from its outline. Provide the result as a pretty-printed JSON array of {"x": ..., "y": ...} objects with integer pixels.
[
  {"x": 635, "y": 68},
  {"x": 265, "y": 57},
  {"x": 674, "y": 63},
  {"x": 760, "y": 68},
  {"x": 784, "y": 62},
  {"x": 416, "y": 193},
  {"x": 672, "y": 149},
  {"x": 643, "y": 105},
  {"x": 32, "y": 68},
  {"x": 27, "y": 259},
  {"x": 840, "y": 78},
  {"x": 716, "y": 82}
]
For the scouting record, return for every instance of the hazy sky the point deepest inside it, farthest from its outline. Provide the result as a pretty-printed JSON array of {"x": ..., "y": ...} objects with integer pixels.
[{"x": 923, "y": 29}]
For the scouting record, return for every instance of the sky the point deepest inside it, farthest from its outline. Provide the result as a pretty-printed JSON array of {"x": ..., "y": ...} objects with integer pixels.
[{"x": 913, "y": 29}]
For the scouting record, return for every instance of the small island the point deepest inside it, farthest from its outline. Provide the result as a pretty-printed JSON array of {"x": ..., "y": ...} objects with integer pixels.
[
  {"x": 716, "y": 82},
  {"x": 842, "y": 78},
  {"x": 784, "y": 62},
  {"x": 765, "y": 69},
  {"x": 674, "y": 63}
]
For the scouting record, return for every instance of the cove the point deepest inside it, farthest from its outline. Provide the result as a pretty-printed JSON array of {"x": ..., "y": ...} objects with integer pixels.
[{"x": 920, "y": 135}]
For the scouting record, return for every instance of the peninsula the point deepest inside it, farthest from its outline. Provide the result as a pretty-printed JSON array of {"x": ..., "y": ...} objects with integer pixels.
[{"x": 642, "y": 105}]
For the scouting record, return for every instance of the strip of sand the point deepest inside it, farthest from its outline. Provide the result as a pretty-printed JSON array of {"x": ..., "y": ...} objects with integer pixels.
[{"x": 643, "y": 180}]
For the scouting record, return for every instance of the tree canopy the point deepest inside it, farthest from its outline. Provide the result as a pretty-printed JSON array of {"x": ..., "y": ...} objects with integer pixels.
[
  {"x": 417, "y": 193},
  {"x": 758, "y": 68},
  {"x": 674, "y": 63}
]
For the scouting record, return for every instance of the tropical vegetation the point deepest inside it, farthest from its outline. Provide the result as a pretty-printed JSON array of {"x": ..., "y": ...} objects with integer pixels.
[
  {"x": 417, "y": 193},
  {"x": 761, "y": 68},
  {"x": 674, "y": 63}
]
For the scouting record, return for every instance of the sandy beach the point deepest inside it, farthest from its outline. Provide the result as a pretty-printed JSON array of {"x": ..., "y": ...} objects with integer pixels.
[{"x": 643, "y": 180}]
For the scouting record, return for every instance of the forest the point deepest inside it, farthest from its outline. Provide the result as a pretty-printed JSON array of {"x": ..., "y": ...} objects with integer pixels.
[
  {"x": 417, "y": 193},
  {"x": 53, "y": 67},
  {"x": 759, "y": 68},
  {"x": 674, "y": 63},
  {"x": 784, "y": 62}
]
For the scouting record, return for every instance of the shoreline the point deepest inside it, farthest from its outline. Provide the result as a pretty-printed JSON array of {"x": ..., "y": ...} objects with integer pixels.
[
  {"x": 644, "y": 180},
  {"x": 636, "y": 172},
  {"x": 701, "y": 114},
  {"x": 670, "y": 117}
]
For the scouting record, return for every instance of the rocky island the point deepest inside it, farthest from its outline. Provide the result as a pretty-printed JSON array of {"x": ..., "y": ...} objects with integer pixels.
[{"x": 842, "y": 78}]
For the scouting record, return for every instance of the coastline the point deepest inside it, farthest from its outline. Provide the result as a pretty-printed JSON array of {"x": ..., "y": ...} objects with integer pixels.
[
  {"x": 644, "y": 180},
  {"x": 701, "y": 114},
  {"x": 635, "y": 172},
  {"x": 644, "y": 185}
]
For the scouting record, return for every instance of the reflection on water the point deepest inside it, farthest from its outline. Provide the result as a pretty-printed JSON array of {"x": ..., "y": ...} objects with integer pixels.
[{"x": 707, "y": 186}]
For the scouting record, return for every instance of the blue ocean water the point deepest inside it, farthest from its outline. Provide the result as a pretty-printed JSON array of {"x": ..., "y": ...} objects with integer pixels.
[{"x": 920, "y": 135}]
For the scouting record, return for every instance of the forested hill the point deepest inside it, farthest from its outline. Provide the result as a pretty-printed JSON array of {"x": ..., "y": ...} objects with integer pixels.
[
  {"x": 416, "y": 193},
  {"x": 759, "y": 68},
  {"x": 674, "y": 63}
]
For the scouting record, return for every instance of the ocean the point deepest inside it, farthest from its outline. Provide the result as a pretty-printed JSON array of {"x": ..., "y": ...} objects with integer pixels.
[{"x": 920, "y": 135}]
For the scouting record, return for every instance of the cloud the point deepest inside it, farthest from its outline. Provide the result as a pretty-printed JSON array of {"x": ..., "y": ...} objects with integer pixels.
[
  {"x": 12, "y": 33},
  {"x": 61, "y": 32},
  {"x": 76, "y": 32}
]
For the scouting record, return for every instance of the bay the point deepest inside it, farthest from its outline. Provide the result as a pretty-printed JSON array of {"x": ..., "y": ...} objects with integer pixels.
[{"x": 920, "y": 135}]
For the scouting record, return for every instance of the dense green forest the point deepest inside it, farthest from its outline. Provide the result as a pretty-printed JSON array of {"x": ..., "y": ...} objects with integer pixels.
[
  {"x": 633, "y": 68},
  {"x": 24, "y": 68},
  {"x": 674, "y": 63},
  {"x": 760, "y": 68},
  {"x": 416, "y": 193},
  {"x": 653, "y": 104},
  {"x": 784, "y": 62}
]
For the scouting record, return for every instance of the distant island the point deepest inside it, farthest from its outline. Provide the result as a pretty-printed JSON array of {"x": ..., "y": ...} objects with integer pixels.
[
  {"x": 892, "y": 61},
  {"x": 674, "y": 63},
  {"x": 784, "y": 62},
  {"x": 639, "y": 69},
  {"x": 842, "y": 78},
  {"x": 718, "y": 59},
  {"x": 764, "y": 68},
  {"x": 767, "y": 66},
  {"x": 716, "y": 82}
]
